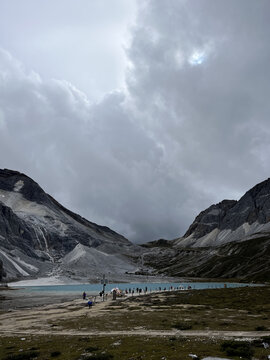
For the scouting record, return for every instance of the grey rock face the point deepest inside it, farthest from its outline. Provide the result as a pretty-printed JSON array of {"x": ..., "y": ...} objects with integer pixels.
[
  {"x": 36, "y": 233},
  {"x": 253, "y": 206},
  {"x": 2, "y": 273},
  {"x": 209, "y": 219},
  {"x": 231, "y": 220}
]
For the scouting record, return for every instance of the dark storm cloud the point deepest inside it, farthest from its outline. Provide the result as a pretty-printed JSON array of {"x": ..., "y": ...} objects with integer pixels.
[
  {"x": 212, "y": 114},
  {"x": 190, "y": 129}
]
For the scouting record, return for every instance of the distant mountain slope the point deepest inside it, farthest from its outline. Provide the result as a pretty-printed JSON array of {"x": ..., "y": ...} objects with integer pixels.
[
  {"x": 229, "y": 239},
  {"x": 248, "y": 260},
  {"x": 38, "y": 236},
  {"x": 231, "y": 220}
]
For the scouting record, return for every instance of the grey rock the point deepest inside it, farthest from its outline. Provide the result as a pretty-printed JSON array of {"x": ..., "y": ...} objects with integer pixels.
[{"x": 209, "y": 219}]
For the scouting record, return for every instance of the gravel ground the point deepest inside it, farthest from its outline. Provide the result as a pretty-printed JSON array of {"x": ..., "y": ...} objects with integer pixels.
[{"x": 15, "y": 299}]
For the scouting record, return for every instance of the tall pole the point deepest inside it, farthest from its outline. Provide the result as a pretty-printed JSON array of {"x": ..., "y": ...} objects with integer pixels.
[{"x": 103, "y": 282}]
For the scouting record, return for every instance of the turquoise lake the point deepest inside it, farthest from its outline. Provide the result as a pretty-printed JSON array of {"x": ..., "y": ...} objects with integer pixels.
[{"x": 95, "y": 288}]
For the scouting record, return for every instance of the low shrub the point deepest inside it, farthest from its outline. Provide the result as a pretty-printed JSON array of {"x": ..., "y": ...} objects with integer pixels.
[
  {"x": 182, "y": 326},
  {"x": 91, "y": 348},
  {"x": 55, "y": 353},
  {"x": 237, "y": 348},
  {"x": 22, "y": 356},
  {"x": 261, "y": 328}
]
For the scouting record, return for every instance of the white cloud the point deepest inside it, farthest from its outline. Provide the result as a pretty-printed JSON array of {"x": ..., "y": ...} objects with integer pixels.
[
  {"x": 82, "y": 42},
  {"x": 146, "y": 159}
]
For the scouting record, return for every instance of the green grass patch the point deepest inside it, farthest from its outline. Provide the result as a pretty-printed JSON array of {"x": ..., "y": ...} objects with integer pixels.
[
  {"x": 128, "y": 348},
  {"x": 233, "y": 309}
]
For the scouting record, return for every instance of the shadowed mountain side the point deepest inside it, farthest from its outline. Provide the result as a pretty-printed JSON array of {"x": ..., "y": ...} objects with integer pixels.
[
  {"x": 248, "y": 260},
  {"x": 37, "y": 233}
]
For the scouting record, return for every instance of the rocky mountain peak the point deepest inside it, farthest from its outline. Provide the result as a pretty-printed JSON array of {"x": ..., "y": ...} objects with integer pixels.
[
  {"x": 254, "y": 206},
  {"x": 14, "y": 181},
  {"x": 210, "y": 219},
  {"x": 231, "y": 220}
]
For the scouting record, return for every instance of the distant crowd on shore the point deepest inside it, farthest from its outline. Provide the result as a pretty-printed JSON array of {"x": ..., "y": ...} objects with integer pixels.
[{"x": 130, "y": 292}]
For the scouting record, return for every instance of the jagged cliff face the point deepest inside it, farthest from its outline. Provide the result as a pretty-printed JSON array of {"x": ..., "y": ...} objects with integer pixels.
[
  {"x": 231, "y": 220},
  {"x": 228, "y": 240},
  {"x": 38, "y": 236},
  {"x": 210, "y": 219}
]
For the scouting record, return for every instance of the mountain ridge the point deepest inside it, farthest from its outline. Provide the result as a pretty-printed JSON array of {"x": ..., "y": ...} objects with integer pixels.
[
  {"x": 40, "y": 237},
  {"x": 231, "y": 220},
  {"x": 37, "y": 233}
]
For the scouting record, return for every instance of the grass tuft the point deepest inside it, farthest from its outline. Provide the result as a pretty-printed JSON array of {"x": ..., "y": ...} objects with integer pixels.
[
  {"x": 182, "y": 326},
  {"x": 92, "y": 348},
  {"x": 237, "y": 348},
  {"x": 55, "y": 353},
  {"x": 261, "y": 328},
  {"x": 22, "y": 356}
]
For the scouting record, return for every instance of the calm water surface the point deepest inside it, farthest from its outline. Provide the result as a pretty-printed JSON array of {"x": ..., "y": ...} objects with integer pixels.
[{"x": 95, "y": 288}]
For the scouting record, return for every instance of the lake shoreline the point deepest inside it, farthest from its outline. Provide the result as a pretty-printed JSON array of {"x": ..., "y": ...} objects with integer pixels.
[{"x": 26, "y": 297}]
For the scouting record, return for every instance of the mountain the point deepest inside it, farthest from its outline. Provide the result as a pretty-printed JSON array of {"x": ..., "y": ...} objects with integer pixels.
[
  {"x": 231, "y": 220},
  {"x": 230, "y": 239},
  {"x": 40, "y": 237}
]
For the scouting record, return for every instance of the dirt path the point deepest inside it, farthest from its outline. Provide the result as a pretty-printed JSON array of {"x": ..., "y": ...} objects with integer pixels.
[
  {"x": 40, "y": 321},
  {"x": 149, "y": 333}
]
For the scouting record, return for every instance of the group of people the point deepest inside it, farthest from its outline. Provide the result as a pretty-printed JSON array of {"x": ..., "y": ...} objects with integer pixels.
[
  {"x": 145, "y": 290},
  {"x": 138, "y": 290},
  {"x": 131, "y": 291}
]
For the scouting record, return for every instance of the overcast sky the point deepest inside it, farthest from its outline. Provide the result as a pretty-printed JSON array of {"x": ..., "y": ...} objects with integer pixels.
[{"x": 136, "y": 115}]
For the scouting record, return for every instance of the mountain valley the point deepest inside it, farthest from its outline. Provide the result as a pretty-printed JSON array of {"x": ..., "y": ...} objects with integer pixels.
[{"x": 41, "y": 238}]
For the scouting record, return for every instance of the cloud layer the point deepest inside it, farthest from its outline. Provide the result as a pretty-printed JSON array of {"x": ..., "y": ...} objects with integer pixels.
[{"x": 190, "y": 127}]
